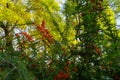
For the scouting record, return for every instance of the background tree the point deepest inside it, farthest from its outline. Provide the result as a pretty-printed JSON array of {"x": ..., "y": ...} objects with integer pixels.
[
  {"x": 19, "y": 20},
  {"x": 96, "y": 34},
  {"x": 40, "y": 42}
]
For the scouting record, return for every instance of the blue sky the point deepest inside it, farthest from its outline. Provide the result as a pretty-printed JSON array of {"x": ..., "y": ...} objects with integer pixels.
[{"x": 62, "y": 1}]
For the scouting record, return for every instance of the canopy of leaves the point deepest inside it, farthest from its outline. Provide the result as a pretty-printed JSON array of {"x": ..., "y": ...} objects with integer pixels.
[{"x": 40, "y": 41}]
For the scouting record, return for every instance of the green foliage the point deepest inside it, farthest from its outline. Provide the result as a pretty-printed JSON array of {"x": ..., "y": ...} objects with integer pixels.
[{"x": 39, "y": 42}]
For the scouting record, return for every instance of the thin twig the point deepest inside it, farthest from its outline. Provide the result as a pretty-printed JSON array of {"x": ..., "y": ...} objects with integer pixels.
[
  {"x": 14, "y": 67},
  {"x": 9, "y": 73},
  {"x": 9, "y": 31},
  {"x": 2, "y": 62}
]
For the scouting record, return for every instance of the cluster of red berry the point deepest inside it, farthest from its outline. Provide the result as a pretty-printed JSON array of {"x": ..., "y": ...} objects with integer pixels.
[
  {"x": 65, "y": 75},
  {"x": 45, "y": 33},
  {"x": 96, "y": 49},
  {"x": 62, "y": 76},
  {"x": 28, "y": 36},
  {"x": 97, "y": 5}
]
